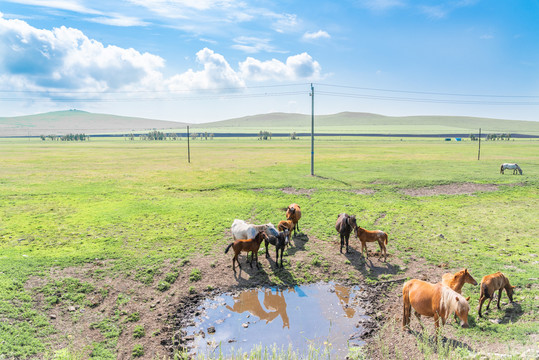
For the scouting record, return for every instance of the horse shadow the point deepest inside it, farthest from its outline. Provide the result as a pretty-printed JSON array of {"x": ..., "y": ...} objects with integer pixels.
[
  {"x": 443, "y": 341},
  {"x": 299, "y": 243},
  {"x": 511, "y": 312},
  {"x": 367, "y": 267},
  {"x": 258, "y": 274}
]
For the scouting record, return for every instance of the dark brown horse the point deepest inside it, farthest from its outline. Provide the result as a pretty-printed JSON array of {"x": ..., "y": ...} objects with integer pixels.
[
  {"x": 280, "y": 241},
  {"x": 345, "y": 225}
]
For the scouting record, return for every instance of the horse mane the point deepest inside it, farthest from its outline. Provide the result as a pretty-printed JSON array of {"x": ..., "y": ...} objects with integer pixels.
[{"x": 449, "y": 303}]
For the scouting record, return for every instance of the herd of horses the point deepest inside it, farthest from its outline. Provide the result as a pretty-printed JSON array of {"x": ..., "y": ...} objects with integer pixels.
[
  {"x": 441, "y": 300},
  {"x": 248, "y": 237},
  {"x": 438, "y": 300}
]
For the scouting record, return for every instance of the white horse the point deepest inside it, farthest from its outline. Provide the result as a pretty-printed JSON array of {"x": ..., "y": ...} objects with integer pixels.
[
  {"x": 242, "y": 230},
  {"x": 513, "y": 167}
]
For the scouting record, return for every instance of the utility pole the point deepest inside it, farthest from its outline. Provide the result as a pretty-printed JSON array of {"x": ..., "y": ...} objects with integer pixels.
[
  {"x": 188, "y": 148},
  {"x": 479, "y": 150},
  {"x": 312, "y": 130}
]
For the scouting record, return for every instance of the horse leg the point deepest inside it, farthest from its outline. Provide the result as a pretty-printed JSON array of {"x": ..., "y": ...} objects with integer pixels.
[
  {"x": 342, "y": 241},
  {"x": 418, "y": 316},
  {"x": 282, "y": 251},
  {"x": 266, "y": 243},
  {"x": 499, "y": 297},
  {"x": 347, "y": 237},
  {"x": 364, "y": 244},
  {"x": 256, "y": 259}
]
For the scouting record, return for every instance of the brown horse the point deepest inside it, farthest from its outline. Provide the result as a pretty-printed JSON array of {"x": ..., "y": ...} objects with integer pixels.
[
  {"x": 491, "y": 283},
  {"x": 432, "y": 300},
  {"x": 293, "y": 212},
  {"x": 246, "y": 245},
  {"x": 345, "y": 225},
  {"x": 456, "y": 281},
  {"x": 366, "y": 236}
]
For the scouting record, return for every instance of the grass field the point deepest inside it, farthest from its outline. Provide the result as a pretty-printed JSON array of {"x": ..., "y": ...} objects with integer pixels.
[{"x": 144, "y": 212}]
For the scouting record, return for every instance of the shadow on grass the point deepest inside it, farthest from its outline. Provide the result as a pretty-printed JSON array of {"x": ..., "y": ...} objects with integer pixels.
[{"x": 429, "y": 343}]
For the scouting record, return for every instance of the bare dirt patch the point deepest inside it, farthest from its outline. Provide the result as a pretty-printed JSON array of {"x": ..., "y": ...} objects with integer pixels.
[
  {"x": 163, "y": 314},
  {"x": 293, "y": 191},
  {"x": 451, "y": 189}
]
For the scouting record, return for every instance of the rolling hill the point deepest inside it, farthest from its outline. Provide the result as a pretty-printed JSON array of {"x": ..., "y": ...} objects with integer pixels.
[{"x": 75, "y": 121}]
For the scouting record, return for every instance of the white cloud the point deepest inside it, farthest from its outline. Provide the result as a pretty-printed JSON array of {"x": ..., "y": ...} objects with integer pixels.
[
  {"x": 217, "y": 74},
  {"x": 64, "y": 59},
  {"x": 320, "y": 34},
  {"x": 69, "y": 5},
  {"x": 297, "y": 67},
  {"x": 118, "y": 20},
  {"x": 434, "y": 12},
  {"x": 253, "y": 45}
]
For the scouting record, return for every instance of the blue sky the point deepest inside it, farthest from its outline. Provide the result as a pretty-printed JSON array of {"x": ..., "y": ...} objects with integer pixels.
[{"x": 206, "y": 60}]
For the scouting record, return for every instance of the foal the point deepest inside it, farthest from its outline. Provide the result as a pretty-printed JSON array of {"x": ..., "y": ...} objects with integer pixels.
[
  {"x": 491, "y": 283},
  {"x": 366, "y": 236},
  {"x": 246, "y": 245}
]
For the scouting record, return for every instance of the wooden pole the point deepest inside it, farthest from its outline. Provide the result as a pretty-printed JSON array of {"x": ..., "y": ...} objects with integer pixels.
[
  {"x": 188, "y": 146},
  {"x": 479, "y": 150},
  {"x": 312, "y": 130}
]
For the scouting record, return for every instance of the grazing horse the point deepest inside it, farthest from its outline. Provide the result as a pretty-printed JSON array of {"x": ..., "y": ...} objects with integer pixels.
[
  {"x": 246, "y": 245},
  {"x": 491, "y": 283},
  {"x": 456, "y": 281},
  {"x": 366, "y": 236},
  {"x": 345, "y": 225},
  {"x": 432, "y": 300},
  {"x": 285, "y": 225},
  {"x": 293, "y": 212},
  {"x": 279, "y": 241},
  {"x": 513, "y": 167},
  {"x": 243, "y": 230}
]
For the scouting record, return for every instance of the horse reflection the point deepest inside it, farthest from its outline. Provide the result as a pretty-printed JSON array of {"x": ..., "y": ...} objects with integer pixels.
[
  {"x": 277, "y": 303},
  {"x": 248, "y": 301},
  {"x": 343, "y": 293}
]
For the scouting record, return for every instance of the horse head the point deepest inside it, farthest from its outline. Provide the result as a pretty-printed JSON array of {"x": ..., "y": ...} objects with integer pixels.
[
  {"x": 462, "y": 310},
  {"x": 352, "y": 222},
  {"x": 469, "y": 278}
]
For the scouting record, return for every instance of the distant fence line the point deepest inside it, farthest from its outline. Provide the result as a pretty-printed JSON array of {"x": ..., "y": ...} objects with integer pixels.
[{"x": 256, "y": 135}]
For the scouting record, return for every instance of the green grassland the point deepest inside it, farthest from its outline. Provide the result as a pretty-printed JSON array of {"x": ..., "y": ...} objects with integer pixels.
[{"x": 139, "y": 203}]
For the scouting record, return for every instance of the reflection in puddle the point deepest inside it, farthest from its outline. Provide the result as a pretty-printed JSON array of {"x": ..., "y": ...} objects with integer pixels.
[{"x": 315, "y": 314}]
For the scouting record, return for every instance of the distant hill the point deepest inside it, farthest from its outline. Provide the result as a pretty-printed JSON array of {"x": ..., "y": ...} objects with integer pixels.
[
  {"x": 367, "y": 123},
  {"x": 75, "y": 121}
]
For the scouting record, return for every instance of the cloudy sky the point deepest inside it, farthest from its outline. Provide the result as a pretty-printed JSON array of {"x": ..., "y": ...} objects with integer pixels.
[{"x": 206, "y": 60}]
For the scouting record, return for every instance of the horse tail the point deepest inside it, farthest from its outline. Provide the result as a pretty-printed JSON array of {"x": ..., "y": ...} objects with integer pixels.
[
  {"x": 406, "y": 304},
  {"x": 386, "y": 240},
  {"x": 484, "y": 291},
  {"x": 501, "y": 169},
  {"x": 228, "y": 247}
]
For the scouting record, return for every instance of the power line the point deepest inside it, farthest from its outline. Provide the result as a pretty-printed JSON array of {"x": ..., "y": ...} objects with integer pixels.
[{"x": 427, "y": 92}]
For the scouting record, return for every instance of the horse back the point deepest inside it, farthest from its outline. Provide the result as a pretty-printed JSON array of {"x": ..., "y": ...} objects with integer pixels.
[{"x": 423, "y": 296}]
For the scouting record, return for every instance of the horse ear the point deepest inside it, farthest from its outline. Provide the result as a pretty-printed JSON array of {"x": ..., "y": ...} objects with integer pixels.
[
  {"x": 457, "y": 298},
  {"x": 468, "y": 298}
]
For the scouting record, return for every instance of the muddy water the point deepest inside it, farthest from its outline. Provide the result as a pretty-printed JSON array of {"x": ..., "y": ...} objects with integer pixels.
[{"x": 316, "y": 314}]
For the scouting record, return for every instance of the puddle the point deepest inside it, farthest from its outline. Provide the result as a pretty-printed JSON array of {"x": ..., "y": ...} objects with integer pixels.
[{"x": 315, "y": 314}]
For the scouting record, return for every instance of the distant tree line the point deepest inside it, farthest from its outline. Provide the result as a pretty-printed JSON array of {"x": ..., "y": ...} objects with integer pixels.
[
  {"x": 492, "y": 137},
  {"x": 67, "y": 137},
  {"x": 204, "y": 136},
  {"x": 155, "y": 135},
  {"x": 264, "y": 135}
]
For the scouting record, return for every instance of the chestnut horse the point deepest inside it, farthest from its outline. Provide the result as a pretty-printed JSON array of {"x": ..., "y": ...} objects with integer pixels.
[
  {"x": 489, "y": 285},
  {"x": 293, "y": 212},
  {"x": 432, "y": 300},
  {"x": 456, "y": 281},
  {"x": 246, "y": 245},
  {"x": 366, "y": 236}
]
